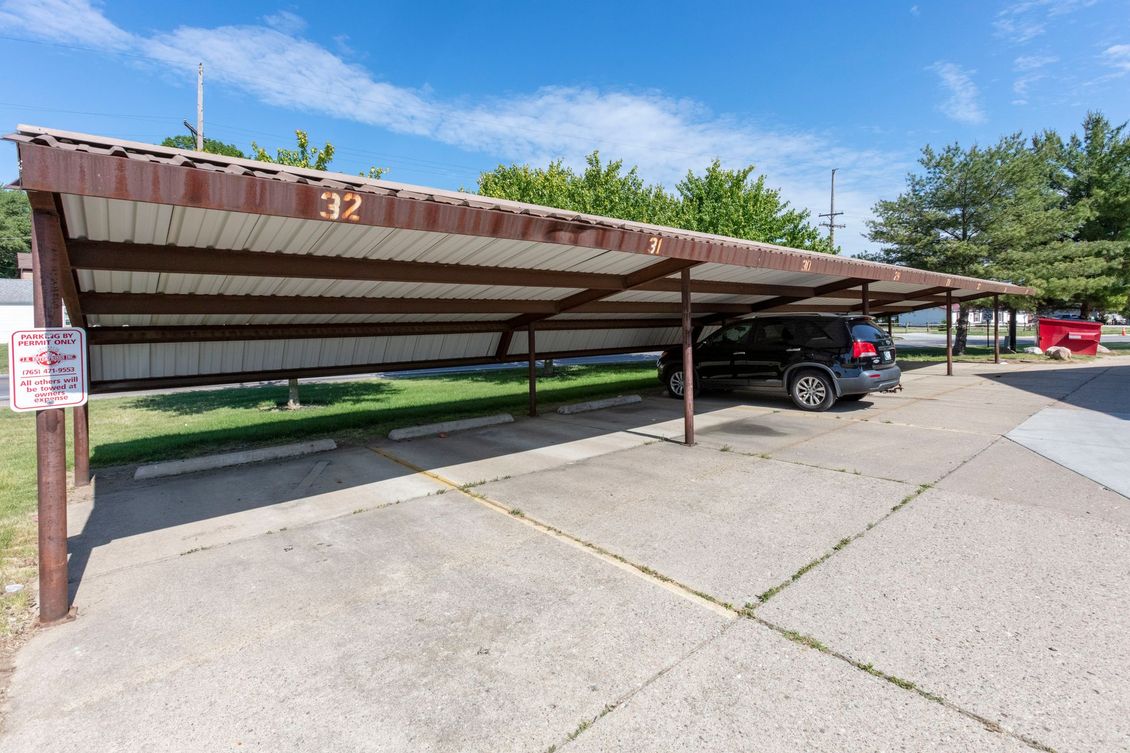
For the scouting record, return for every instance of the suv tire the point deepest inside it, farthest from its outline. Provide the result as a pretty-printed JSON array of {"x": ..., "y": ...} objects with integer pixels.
[
  {"x": 812, "y": 390},
  {"x": 673, "y": 381}
]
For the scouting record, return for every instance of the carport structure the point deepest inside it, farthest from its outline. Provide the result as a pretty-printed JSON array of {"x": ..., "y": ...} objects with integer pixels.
[{"x": 188, "y": 268}]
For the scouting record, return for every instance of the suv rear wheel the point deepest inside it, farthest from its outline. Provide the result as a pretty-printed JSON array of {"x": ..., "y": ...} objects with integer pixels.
[
  {"x": 676, "y": 384},
  {"x": 812, "y": 390}
]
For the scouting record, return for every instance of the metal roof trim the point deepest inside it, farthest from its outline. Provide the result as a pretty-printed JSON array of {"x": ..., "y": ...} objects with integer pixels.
[{"x": 81, "y": 142}]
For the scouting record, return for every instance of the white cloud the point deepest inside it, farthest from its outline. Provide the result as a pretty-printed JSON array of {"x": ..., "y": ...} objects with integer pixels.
[
  {"x": 1033, "y": 62},
  {"x": 914, "y": 11},
  {"x": 1030, "y": 68},
  {"x": 286, "y": 22},
  {"x": 1118, "y": 57},
  {"x": 70, "y": 21},
  {"x": 665, "y": 136},
  {"x": 963, "y": 103},
  {"x": 1023, "y": 21}
]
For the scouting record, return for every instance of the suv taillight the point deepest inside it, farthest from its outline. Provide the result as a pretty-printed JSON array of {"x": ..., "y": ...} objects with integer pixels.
[{"x": 861, "y": 350}]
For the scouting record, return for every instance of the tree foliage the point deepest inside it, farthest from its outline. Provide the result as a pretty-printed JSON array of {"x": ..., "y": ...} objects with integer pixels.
[
  {"x": 304, "y": 155},
  {"x": 1049, "y": 213},
  {"x": 720, "y": 201},
  {"x": 1091, "y": 176},
  {"x": 210, "y": 145},
  {"x": 15, "y": 230},
  {"x": 311, "y": 158}
]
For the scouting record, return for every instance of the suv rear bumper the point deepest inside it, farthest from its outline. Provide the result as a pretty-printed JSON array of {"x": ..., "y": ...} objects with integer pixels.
[{"x": 871, "y": 380}]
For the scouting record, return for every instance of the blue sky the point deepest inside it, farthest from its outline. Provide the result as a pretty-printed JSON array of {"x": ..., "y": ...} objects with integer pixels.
[{"x": 440, "y": 91}]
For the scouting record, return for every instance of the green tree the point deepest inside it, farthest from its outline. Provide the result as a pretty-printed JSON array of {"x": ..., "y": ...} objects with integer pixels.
[
  {"x": 210, "y": 145},
  {"x": 733, "y": 203},
  {"x": 1091, "y": 174},
  {"x": 311, "y": 158},
  {"x": 15, "y": 230},
  {"x": 974, "y": 212},
  {"x": 725, "y": 202}
]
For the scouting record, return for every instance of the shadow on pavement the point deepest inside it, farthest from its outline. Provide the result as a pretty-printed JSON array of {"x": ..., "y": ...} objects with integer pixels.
[{"x": 1103, "y": 389}]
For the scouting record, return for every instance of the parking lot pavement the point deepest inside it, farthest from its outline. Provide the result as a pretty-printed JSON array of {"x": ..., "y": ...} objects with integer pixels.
[
  {"x": 714, "y": 521},
  {"x": 431, "y": 625},
  {"x": 752, "y": 690},
  {"x": 915, "y": 581},
  {"x": 134, "y": 522},
  {"x": 1015, "y": 612}
]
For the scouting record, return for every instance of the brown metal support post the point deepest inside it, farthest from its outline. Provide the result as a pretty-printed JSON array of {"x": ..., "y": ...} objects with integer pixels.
[
  {"x": 949, "y": 333},
  {"x": 82, "y": 445},
  {"x": 50, "y": 432},
  {"x": 532, "y": 354},
  {"x": 688, "y": 359},
  {"x": 996, "y": 328},
  {"x": 890, "y": 333},
  {"x": 866, "y": 300}
]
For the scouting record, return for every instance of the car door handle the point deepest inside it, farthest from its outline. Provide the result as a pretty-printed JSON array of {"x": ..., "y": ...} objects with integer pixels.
[{"x": 791, "y": 350}]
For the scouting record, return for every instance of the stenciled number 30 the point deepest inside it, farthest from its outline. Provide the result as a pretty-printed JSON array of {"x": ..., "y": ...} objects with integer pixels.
[{"x": 333, "y": 210}]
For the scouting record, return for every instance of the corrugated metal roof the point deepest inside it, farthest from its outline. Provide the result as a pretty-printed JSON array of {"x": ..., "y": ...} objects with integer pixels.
[{"x": 248, "y": 252}]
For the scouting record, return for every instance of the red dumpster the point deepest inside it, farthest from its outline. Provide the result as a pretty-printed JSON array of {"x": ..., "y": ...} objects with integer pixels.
[{"x": 1076, "y": 335}]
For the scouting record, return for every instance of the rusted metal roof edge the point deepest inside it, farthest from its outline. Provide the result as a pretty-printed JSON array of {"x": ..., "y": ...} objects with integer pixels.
[{"x": 705, "y": 246}]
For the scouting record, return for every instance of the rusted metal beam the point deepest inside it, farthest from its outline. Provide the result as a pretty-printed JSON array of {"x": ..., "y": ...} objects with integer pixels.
[
  {"x": 50, "y": 427},
  {"x": 158, "y": 303},
  {"x": 107, "y": 386},
  {"x": 817, "y": 292},
  {"x": 47, "y": 206},
  {"x": 532, "y": 375},
  {"x": 688, "y": 361},
  {"x": 949, "y": 333},
  {"x": 244, "y": 332},
  {"x": 116, "y": 176},
  {"x": 134, "y": 257},
  {"x": 530, "y": 310},
  {"x": 589, "y": 301},
  {"x": 129, "y": 257},
  {"x": 866, "y": 304},
  {"x": 996, "y": 328},
  {"x": 719, "y": 287}
]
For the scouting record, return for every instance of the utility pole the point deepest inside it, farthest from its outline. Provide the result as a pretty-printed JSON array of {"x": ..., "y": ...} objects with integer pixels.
[
  {"x": 832, "y": 214},
  {"x": 200, "y": 110}
]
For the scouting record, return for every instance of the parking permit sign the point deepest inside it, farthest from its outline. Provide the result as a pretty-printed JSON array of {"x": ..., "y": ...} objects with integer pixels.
[{"x": 47, "y": 368}]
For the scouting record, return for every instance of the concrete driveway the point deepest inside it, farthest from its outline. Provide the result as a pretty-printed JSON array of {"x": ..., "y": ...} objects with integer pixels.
[{"x": 893, "y": 575}]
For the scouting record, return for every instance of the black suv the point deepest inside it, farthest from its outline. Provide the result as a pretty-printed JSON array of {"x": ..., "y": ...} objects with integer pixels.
[{"x": 815, "y": 358}]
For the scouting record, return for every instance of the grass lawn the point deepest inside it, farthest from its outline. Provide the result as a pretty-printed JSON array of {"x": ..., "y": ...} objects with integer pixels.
[
  {"x": 156, "y": 427},
  {"x": 4, "y": 358}
]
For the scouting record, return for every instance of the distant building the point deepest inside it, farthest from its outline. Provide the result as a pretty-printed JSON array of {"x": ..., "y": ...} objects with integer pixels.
[
  {"x": 977, "y": 316},
  {"x": 15, "y": 307},
  {"x": 23, "y": 262}
]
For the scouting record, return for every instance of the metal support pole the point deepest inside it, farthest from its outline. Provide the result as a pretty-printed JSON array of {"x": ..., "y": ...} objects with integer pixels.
[
  {"x": 949, "y": 333},
  {"x": 50, "y": 431},
  {"x": 890, "y": 333},
  {"x": 866, "y": 301},
  {"x": 82, "y": 445},
  {"x": 532, "y": 354},
  {"x": 996, "y": 328},
  {"x": 1012, "y": 328},
  {"x": 688, "y": 359}
]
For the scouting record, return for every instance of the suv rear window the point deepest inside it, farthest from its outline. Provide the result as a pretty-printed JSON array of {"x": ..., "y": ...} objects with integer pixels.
[
  {"x": 822, "y": 333},
  {"x": 866, "y": 332}
]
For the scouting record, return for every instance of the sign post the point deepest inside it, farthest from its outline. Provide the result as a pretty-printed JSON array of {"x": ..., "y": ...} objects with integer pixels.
[{"x": 47, "y": 368}]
